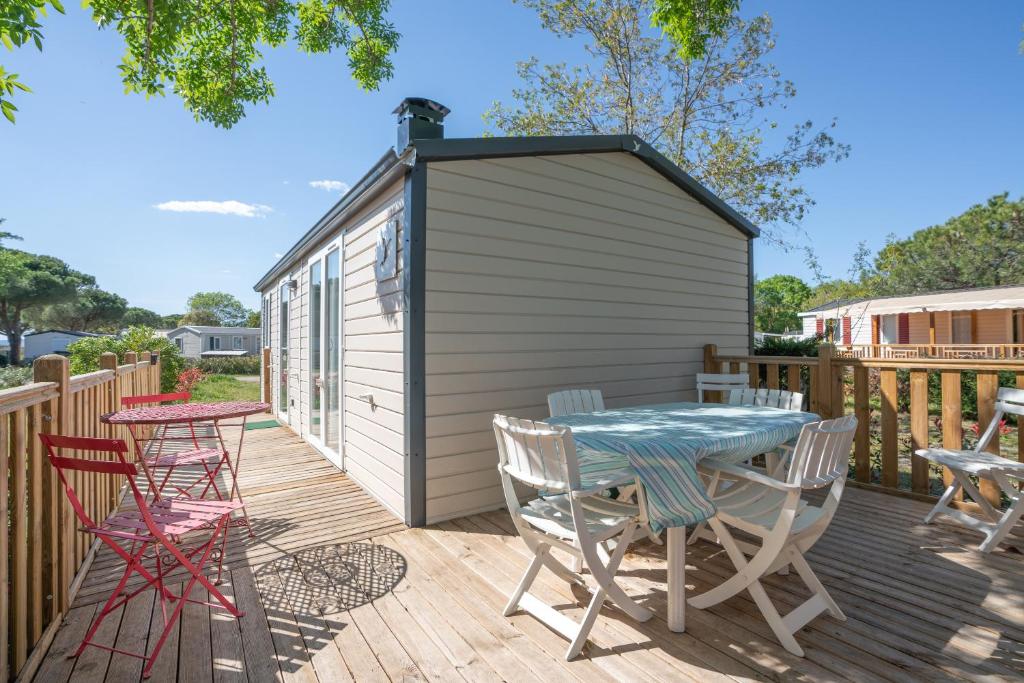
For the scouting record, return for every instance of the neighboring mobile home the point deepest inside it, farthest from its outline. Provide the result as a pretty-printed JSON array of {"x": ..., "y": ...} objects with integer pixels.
[
  {"x": 199, "y": 341},
  {"x": 464, "y": 277},
  {"x": 983, "y": 315},
  {"x": 50, "y": 341}
]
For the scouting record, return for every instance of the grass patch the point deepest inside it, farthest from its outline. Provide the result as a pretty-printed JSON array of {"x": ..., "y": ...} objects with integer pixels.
[{"x": 225, "y": 388}]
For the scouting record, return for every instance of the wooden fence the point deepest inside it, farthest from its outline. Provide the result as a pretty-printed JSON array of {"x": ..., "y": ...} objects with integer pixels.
[
  {"x": 837, "y": 385},
  {"x": 953, "y": 351},
  {"x": 42, "y": 555}
]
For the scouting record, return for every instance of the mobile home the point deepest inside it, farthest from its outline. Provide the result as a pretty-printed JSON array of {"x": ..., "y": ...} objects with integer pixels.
[{"x": 464, "y": 277}]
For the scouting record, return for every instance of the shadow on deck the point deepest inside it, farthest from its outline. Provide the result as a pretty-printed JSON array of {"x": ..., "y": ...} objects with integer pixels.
[{"x": 335, "y": 588}]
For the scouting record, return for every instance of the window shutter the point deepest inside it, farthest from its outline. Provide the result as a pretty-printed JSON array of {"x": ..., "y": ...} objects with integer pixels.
[
  {"x": 904, "y": 328},
  {"x": 847, "y": 336},
  {"x": 819, "y": 326}
]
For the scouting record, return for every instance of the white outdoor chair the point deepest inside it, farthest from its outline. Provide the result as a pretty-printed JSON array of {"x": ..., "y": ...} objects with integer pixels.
[
  {"x": 787, "y": 526},
  {"x": 566, "y": 517},
  {"x": 775, "y": 461},
  {"x": 718, "y": 382},
  {"x": 1007, "y": 474},
  {"x": 772, "y": 398},
  {"x": 571, "y": 401}
]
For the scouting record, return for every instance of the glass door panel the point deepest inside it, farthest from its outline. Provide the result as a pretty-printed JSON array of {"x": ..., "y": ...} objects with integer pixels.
[
  {"x": 332, "y": 353},
  {"x": 282, "y": 406},
  {"x": 315, "y": 287}
]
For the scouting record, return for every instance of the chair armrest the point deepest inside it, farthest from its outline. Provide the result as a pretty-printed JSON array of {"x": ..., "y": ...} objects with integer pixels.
[
  {"x": 750, "y": 475},
  {"x": 605, "y": 484}
]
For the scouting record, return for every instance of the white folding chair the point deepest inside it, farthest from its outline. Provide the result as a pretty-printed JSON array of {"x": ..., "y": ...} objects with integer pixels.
[
  {"x": 1007, "y": 474},
  {"x": 566, "y": 517},
  {"x": 787, "y": 525},
  {"x": 772, "y": 398},
  {"x": 572, "y": 401},
  {"x": 719, "y": 382}
]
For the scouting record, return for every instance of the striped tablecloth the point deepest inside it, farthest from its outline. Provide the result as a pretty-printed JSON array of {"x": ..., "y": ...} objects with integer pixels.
[{"x": 663, "y": 443}]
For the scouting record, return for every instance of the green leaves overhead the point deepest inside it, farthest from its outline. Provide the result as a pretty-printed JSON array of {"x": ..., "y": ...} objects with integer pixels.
[
  {"x": 777, "y": 301},
  {"x": 209, "y": 52},
  {"x": 692, "y": 24}
]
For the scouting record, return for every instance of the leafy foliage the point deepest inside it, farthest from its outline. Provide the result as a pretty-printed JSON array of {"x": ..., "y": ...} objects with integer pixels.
[
  {"x": 691, "y": 24},
  {"x": 91, "y": 310},
  {"x": 188, "y": 379},
  {"x": 982, "y": 247},
  {"x": 709, "y": 115},
  {"x": 777, "y": 346},
  {"x": 85, "y": 353},
  {"x": 777, "y": 301},
  {"x": 14, "y": 376},
  {"x": 134, "y": 316},
  {"x": 253, "y": 319},
  {"x": 215, "y": 308},
  {"x": 29, "y": 282},
  {"x": 227, "y": 365},
  {"x": 209, "y": 52},
  {"x": 19, "y": 25}
]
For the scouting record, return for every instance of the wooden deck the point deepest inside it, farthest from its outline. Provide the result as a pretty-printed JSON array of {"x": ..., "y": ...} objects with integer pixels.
[{"x": 334, "y": 588}]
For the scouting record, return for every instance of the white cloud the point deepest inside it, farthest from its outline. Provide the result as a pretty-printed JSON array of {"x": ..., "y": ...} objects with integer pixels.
[
  {"x": 330, "y": 185},
  {"x": 230, "y": 207},
  {"x": 278, "y": 255}
]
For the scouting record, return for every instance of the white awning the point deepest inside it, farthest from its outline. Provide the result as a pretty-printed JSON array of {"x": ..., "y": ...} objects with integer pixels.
[
  {"x": 992, "y": 298},
  {"x": 224, "y": 353}
]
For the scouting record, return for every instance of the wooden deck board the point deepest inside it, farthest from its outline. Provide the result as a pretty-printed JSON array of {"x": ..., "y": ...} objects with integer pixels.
[{"x": 336, "y": 589}]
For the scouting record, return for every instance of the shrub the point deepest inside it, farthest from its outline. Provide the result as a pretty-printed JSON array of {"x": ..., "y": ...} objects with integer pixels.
[
  {"x": 85, "y": 353},
  {"x": 778, "y": 346},
  {"x": 188, "y": 379},
  {"x": 227, "y": 365},
  {"x": 14, "y": 376}
]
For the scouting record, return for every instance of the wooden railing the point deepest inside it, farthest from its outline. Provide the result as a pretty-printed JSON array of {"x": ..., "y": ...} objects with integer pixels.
[
  {"x": 955, "y": 351},
  {"x": 873, "y": 388},
  {"x": 42, "y": 555}
]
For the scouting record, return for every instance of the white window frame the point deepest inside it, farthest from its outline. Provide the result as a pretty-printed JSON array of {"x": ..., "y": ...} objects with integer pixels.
[
  {"x": 214, "y": 344},
  {"x": 180, "y": 343},
  {"x": 236, "y": 343}
]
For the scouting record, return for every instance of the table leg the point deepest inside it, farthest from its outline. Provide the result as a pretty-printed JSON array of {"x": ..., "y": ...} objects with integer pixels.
[
  {"x": 677, "y": 578},
  {"x": 233, "y": 470}
]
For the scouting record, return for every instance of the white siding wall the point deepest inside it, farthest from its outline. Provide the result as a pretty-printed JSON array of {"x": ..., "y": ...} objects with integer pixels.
[
  {"x": 373, "y": 364},
  {"x": 810, "y": 323},
  {"x": 374, "y": 438},
  {"x": 546, "y": 273}
]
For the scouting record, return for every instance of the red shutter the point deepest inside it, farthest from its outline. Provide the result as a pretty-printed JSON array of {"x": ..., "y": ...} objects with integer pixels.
[
  {"x": 904, "y": 328},
  {"x": 847, "y": 336},
  {"x": 819, "y": 326}
]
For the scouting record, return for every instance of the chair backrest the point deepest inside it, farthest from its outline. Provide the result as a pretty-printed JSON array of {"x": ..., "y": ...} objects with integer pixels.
[
  {"x": 571, "y": 401},
  {"x": 822, "y": 452},
  {"x": 537, "y": 454},
  {"x": 719, "y": 382},
  {"x": 62, "y": 463},
  {"x": 771, "y": 398},
  {"x": 129, "y": 401},
  {"x": 1007, "y": 401}
]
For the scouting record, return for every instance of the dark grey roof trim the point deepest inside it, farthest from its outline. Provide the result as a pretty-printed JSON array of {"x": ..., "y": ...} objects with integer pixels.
[
  {"x": 330, "y": 220},
  {"x": 453, "y": 149},
  {"x": 73, "y": 333}
]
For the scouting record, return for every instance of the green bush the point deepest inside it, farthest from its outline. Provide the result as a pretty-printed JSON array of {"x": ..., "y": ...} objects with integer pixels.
[
  {"x": 14, "y": 376},
  {"x": 227, "y": 365},
  {"x": 778, "y": 346},
  {"x": 85, "y": 353}
]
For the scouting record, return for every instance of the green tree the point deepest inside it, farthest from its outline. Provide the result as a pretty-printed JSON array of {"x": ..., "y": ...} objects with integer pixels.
[
  {"x": 84, "y": 354},
  {"x": 136, "y": 316},
  {"x": 253, "y": 320},
  {"x": 210, "y": 52},
  {"x": 29, "y": 282},
  {"x": 691, "y": 24},
  {"x": 982, "y": 247},
  {"x": 91, "y": 310},
  {"x": 169, "y": 321},
  {"x": 215, "y": 308},
  {"x": 711, "y": 116},
  {"x": 777, "y": 302}
]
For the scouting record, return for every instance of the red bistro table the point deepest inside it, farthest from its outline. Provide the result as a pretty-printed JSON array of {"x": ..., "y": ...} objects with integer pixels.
[{"x": 190, "y": 414}]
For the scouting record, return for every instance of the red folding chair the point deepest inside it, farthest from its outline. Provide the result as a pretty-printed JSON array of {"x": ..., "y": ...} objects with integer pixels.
[
  {"x": 211, "y": 459},
  {"x": 155, "y": 539}
]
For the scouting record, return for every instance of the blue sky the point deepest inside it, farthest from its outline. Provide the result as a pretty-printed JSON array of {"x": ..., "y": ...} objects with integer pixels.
[{"x": 930, "y": 95}]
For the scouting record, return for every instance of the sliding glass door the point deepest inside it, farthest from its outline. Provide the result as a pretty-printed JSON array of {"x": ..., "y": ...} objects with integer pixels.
[
  {"x": 325, "y": 366},
  {"x": 282, "y": 372}
]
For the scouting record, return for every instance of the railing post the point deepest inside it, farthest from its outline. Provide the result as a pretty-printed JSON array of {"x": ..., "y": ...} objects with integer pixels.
[
  {"x": 108, "y": 361},
  {"x": 918, "y": 429},
  {"x": 824, "y": 388},
  {"x": 267, "y": 383},
  {"x": 988, "y": 389},
  {"x": 58, "y": 530}
]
